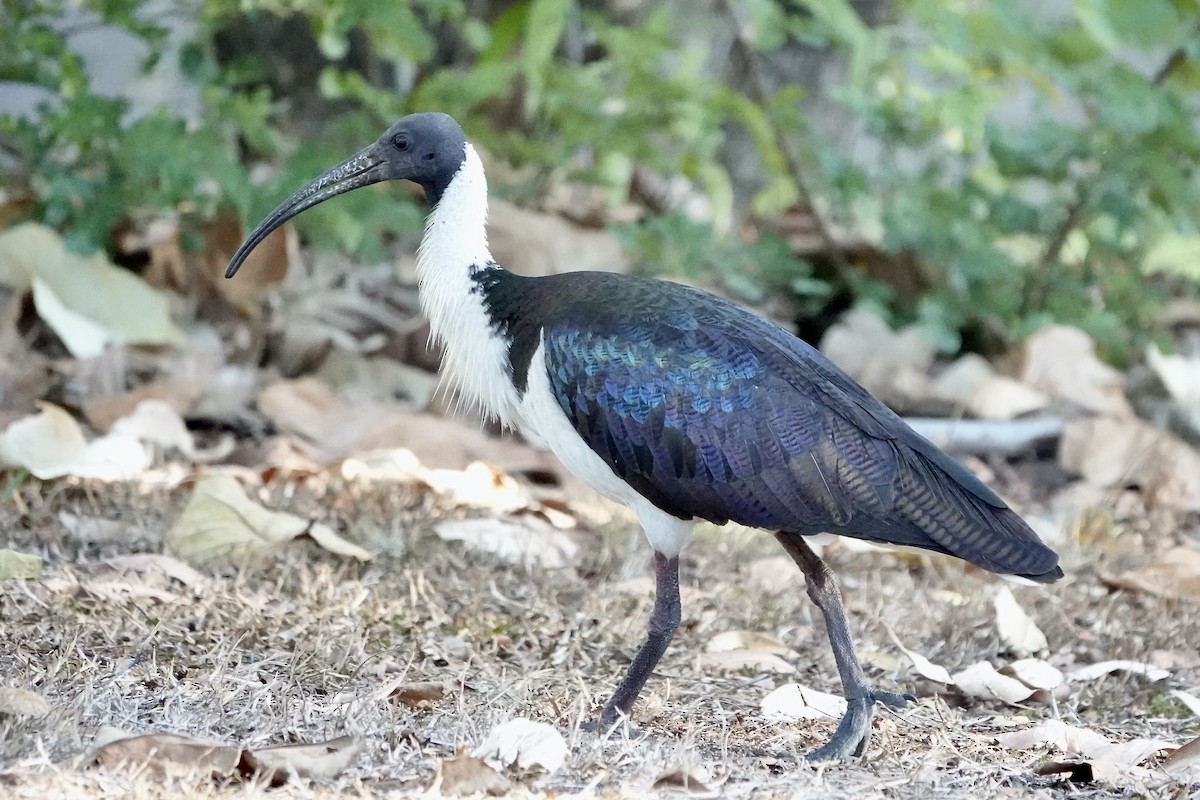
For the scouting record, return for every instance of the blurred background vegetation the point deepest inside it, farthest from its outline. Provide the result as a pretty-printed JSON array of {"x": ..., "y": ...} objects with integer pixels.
[{"x": 979, "y": 168}]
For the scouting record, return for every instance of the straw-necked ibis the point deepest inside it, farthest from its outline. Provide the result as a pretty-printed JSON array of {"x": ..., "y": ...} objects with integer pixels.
[{"x": 679, "y": 404}]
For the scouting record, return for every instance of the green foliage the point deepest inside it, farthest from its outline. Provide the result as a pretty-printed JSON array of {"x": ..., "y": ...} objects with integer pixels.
[{"x": 1037, "y": 164}]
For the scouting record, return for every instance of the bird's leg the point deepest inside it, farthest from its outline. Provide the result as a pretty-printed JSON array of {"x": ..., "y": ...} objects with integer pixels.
[
  {"x": 664, "y": 619},
  {"x": 852, "y": 732}
]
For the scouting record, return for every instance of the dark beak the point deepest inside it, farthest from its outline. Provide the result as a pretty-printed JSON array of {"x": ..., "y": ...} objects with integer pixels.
[{"x": 365, "y": 167}]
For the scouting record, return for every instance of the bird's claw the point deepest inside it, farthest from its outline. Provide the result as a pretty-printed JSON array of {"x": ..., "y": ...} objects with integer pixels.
[{"x": 850, "y": 738}]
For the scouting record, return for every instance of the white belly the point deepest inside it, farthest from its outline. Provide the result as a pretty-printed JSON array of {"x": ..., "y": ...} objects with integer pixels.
[{"x": 539, "y": 417}]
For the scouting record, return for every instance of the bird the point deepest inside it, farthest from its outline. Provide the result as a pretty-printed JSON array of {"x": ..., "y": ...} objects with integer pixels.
[{"x": 679, "y": 404}]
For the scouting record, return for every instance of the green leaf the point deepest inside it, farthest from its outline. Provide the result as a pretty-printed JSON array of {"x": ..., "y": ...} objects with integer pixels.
[
  {"x": 543, "y": 29},
  {"x": 1174, "y": 254}
]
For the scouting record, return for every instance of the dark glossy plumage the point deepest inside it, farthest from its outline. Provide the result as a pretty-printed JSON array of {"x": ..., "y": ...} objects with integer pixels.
[{"x": 712, "y": 412}]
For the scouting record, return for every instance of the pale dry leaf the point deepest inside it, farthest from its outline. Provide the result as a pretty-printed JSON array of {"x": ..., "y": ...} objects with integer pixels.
[
  {"x": 1174, "y": 574},
  {"x": 18, "y": 702},
  {"x": 1061, "y": 361},
  {"x": 88, "y": 301},
  {"x": 162, "y": 564},
  {"x": 168, "y": 755},
  {"x": 1184, "y": 760},
  {"x": 695, "y": 782},
  {"x": 50, "y": 444},
  {"x": 526, "y": 744},
  {"x": 221, "y": 523},
  {"x": 513, "y": 542},
  {"x": 738, "y": 660},
  {"x": 19, "y": 565},
  {"x": 1017, "y": 629},
  {"x": 156, "y": 422},
  {"x": 1035, "y": 673},
  {"x": 748, "y": 640},
  {"x": 1179, "y": 373},
  {"x": 1188, "y": 699},
  {"x": 1093, "y": 671},
  {"x": 418, "y": 695},
  {"x": 102, "y": 411},
  {"x": 924, "y": 667},
  {"x": 464, "y": 775},
  {"x": 794, "y": 701},
  {"x": 1115, "y": 453},
  {"x": 983, "y": 681},
  {"x": 1083, "y": 742},
  {"x": 320, "y": 760}
]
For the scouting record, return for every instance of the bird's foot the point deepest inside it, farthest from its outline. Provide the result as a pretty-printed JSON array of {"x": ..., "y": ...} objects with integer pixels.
[
  {"x": 850, "y": 738},
  {"x": 610, "y": 724}
]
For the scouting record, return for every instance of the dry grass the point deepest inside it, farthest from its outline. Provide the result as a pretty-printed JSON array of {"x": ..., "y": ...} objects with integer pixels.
[{"x": 302, "y": 647}]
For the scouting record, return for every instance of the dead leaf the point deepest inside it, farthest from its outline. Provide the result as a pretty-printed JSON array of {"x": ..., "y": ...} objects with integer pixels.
[
  {"x": 1174, "y": 574},
  {"x": 322, "y": 760},
  {"x": 1036, "y": 673},
  {"x": 1117, "y": 452},
  {"x": 221, "y": 523},
  {"x": 513, "y": 542},
  {"x": 1061, "y": 361},
  {"x": 924, "y": 667},
  {"x": 156, "y": 422},
  {"x": 418, "y": 695},
  {"x": 102, "y": 412},
  {"x": 1093, "y": 671},
  {"x": 19, "y": 565},
  {"x": 1179, "y": 373},
  {"x": 22, "y": 702},
  {"x": 1017, "y": 629},
  {"x": 695, "y": 782},
  {"x": 264, "y": 268},
  {"x": 737, "y": 660},
  {"x": 983, "y": 681},
  {"x": 51, "y": 444},
  {"x": 1188, "y": 699},
  {"x": 169, "y": 755},
  {"x": 1185, "y": 759},
  {"x": 525, "y": 743},
  {"x": 1089, "y": 744},
  {"x": 748, "y": 640},
  {"x": 163, "y": 565},
  {"x": 794, "y": 701},
  {"x": 463, "y": 775},
  {"x": 88, "y": 301}
]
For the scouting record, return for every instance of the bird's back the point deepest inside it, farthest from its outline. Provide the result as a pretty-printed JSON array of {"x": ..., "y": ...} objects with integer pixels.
[{"x": 710, "y": 411}]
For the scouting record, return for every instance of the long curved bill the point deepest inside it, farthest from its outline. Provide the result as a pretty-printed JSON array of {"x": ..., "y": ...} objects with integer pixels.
[{"x": 363, "y": 168}]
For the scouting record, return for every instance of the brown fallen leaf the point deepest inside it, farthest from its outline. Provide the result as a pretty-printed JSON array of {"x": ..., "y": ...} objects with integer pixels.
[
  {"x": 22, "y": 702},
  {"x": 1062, "y": 362},
  {"x": 1175, "y": 574},
  {"x": 102, "y": 412},
  {"x": 1185, "y": 759},
  {"x": 221, "y": 523},
  {"x": 265, "y": 267},
  {"x": 693, "y": 782},
  {"x": 418, "y": 695},
  {"x": 327, "y": 759},
  {"x": 169, "y": 755},
  {"x": 463, "y": 774}
]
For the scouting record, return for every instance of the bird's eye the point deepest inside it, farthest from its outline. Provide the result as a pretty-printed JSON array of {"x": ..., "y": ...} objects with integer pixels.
[{"x": 400, "y": 142}]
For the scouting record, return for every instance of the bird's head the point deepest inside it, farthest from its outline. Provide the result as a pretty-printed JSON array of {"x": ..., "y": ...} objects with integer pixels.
[{"x": 427, "y": 149}]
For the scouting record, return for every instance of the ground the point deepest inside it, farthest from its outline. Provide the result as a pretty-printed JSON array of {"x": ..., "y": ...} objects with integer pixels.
[{"x": 303, "y": 646}]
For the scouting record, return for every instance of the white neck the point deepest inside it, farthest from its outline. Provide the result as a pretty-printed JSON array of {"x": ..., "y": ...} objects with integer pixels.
[{"x": 453, "y": 248}]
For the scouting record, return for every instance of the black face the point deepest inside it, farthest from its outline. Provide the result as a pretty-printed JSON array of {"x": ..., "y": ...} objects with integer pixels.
[{"x": 427, "y": 149}]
